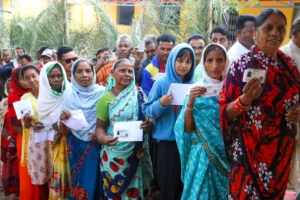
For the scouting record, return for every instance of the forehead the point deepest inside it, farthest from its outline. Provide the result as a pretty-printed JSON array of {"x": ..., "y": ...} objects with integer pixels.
[
  {"x": 19, "y": 50},
  {"x": 55, "y": 70},
  {"x": 151, "y": 45},
  {"x": 124, "y": 65},
  {"x": 218, "y": 35},
  {"x": 83, "y": 66},
  {"x": 249, "y": 24},
  {"x": 274, "y": 19},
  {"x": 166, "y": 44},
  {"x": 197, "y": 42},
  {"x": 5, "y": 53},
  {"x": 215, "y": 54},
  {"x": 23, "y": 60},
  {"x": 29, "y": 72},
  {"x": 70, "y": 54},
  {"x": 124, "y": 41}
]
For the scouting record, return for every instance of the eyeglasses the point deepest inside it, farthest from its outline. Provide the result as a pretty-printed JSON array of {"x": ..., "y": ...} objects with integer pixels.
[
  {"x": 199, "y": 48},
  {"x": 69, "y": 60}
]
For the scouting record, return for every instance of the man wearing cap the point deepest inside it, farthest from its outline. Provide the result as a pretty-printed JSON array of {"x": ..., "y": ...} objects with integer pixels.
[{"x": 48, "y": 55}]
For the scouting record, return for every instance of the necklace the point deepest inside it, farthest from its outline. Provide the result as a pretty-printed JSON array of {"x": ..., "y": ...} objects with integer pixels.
[{"x": 114, "y": 92}]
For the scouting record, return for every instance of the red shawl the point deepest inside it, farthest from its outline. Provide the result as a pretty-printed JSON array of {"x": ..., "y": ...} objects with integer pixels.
[
  {"x": 261, "y": 139},
  {"x": 15, "y": 95}
]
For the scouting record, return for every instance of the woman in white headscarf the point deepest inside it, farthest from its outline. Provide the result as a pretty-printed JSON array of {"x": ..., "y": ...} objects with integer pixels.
[
  {"x": 54, "y": 87},
  {"x": 204, "y": 163}
]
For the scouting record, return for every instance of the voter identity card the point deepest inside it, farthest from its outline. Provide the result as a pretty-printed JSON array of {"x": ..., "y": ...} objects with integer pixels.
[
  {"x": 212, "y": 90},
  {"x": 255, "y": 73}
]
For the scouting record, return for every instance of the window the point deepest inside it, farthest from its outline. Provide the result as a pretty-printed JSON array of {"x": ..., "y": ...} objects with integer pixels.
[
  {"x": 125, "y": 14},
  {"x": 230, "y": 24}
]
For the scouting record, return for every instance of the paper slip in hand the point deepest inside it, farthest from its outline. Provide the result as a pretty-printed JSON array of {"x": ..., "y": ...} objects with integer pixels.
[
  {"x": 77, "y": 120},
  {"x": 128, "y": 131},
  {"x": 179, "y": 91},
  {"x": 44, "y": 135},
  {"x": 22, "y": 108},
  {"x": 141, "y": 46},
  {"x": 158, "y": 76},
  {"x": 254, "y": 73}
]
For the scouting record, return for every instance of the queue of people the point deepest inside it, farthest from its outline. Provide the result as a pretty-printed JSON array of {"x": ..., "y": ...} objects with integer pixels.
[{"x": 240, "y": 143}]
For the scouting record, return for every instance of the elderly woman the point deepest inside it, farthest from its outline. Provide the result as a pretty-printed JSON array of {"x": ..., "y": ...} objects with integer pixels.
[
  {"x": 204, "y": 164},
  {"x": 54, "y": 87},
  {"x": 258, "y": 113},
  {"x": 83, "y": 151},
  {"x": 126, "y": 167}
]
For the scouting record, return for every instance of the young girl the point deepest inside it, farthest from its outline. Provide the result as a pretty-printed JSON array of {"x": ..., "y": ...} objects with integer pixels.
[{"x": 180, "y": 69}]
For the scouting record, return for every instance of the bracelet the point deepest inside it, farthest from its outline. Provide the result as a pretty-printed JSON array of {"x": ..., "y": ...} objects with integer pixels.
[
  {"x": 238, "y": 107},
  {"x": 190, "y": 109}
]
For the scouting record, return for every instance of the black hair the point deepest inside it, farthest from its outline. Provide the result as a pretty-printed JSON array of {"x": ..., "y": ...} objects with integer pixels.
[
  {"x": 118, "y": 62},
  {"x": 180, "y": 54},
  {"x": 42, "y": 49},
  {"x": 94, "y": 59},
  {"x": 265, "y": 14},
  {"x": 196, "y": 37},
  {"x": 26, "y": 57},
  {"x": 214, "y": 47},
  {"x": 166, "y": 38},
  {"x": 221, "y": 30},
  {"x": 100, "y": 50},
  {"x": 63, "y": 50},
  {"x": 81, "y": 61},
  {"x": 27, "y": 67},
  {"x": 242, "y": 19},
  {"x": 20, "y": 48}
]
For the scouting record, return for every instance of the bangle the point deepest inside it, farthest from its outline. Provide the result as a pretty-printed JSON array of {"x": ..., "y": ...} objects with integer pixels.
[
  {"x": 238, "y": 107},
  {"x": 190, "y": 109}
]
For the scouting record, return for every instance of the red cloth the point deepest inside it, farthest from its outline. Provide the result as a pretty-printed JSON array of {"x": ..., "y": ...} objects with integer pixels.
[
  {"x": 15, "y": 95},
  {"x": 161, "y": 66},
  {"x": 263, "y": 149},
  {"x": 40, "y": 66}
]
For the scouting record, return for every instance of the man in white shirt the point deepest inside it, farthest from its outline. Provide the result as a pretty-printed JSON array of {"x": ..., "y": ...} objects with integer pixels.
[
  {"x": 293, "y": 47},
  {"x": 244, "y": 32}
]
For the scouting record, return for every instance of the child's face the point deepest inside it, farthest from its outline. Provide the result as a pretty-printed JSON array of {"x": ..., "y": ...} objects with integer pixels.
[{"x": 183, "y": 65}]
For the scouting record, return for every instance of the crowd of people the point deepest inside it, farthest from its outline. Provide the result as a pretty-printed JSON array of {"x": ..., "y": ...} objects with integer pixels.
[{"x": 238, "y": 144}]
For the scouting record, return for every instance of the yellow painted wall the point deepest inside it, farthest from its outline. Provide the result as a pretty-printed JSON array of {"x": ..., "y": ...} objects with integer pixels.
[{"x": 289, "y": 12}]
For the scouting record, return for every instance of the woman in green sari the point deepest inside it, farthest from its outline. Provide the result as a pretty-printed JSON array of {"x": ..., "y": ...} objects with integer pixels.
[{"x": 126, "y": 167}]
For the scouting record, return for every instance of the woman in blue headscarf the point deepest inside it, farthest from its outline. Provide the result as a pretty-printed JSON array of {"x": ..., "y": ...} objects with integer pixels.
[
  {"x": 126, "y": 167},
  {"x": 180, "y": 69},
  {"x": 83, "y": 150},
  {"x": 204, "y": 164}
]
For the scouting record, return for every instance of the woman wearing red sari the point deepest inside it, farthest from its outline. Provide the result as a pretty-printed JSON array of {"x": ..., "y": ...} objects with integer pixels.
[
  {"x": 19, "y": 88},
  {"x": 258, "y": 116}
]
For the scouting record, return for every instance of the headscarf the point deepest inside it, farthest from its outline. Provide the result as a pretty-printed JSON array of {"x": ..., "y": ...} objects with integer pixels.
[
  {"x": 49, "y": 100},
  {"x": 16, "y": 92},
  {"x": 84, "y": 98},
  {"x": 206, "y": 78},
  {"x": 171, "y": 74}
]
